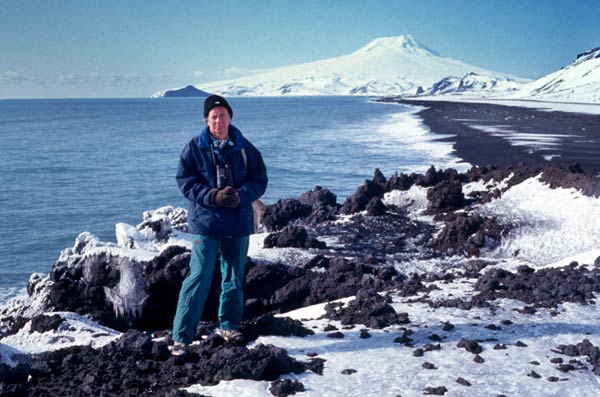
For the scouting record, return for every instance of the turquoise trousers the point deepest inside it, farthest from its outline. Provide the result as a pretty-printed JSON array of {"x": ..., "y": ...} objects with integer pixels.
[{"x": 196, "y": 286}]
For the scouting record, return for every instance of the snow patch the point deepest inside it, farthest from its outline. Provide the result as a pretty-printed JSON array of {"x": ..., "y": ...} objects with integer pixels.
[
  {"x": 551, "y": 224},
  {"x": 74, "y": 331}
]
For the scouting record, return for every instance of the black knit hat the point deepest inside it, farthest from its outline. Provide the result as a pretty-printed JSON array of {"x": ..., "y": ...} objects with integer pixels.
[{"x": 213, "y": 101}]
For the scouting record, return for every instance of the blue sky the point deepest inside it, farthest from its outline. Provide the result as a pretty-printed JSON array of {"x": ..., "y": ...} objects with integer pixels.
[{"x": 111, "y": 48}]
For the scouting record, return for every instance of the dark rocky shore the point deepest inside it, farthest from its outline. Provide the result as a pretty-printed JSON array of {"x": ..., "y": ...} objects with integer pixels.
[
  {"x": 373, "y": 233},
  {"x": 578, "y": 133}
]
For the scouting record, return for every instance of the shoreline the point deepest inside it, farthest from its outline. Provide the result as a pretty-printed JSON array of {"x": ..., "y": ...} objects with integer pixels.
[{"x": 489, "y": 134}]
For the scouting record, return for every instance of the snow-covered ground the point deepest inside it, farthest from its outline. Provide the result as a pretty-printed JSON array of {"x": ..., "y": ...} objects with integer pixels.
[
  {"x": 553, "y": 226},
  {"x": 385, "y": 368}
]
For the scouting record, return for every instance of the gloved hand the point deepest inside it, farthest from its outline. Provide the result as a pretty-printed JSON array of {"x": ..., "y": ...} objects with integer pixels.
[{"x": 227, "y": 198}]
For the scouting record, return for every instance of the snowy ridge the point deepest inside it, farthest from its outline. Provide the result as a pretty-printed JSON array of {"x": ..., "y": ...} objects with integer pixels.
[
  {"x": 385, "y": 66},
  {"x": 472, "y": 83},
  {"x": 577, "y": 82}
]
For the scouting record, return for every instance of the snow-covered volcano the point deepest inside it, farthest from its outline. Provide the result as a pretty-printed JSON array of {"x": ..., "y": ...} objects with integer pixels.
[
  {"x": 385, "y": 66},
  {"x": 577, "y": 82}
]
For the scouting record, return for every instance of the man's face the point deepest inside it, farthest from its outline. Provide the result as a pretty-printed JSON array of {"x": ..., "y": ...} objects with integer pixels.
[{"x": 218, "y": 121}]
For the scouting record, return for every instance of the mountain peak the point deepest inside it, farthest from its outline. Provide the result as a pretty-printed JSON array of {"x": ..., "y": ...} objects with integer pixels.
[
  {"x": 385, "y": 66},
  {"x": 404, "y": 43}
]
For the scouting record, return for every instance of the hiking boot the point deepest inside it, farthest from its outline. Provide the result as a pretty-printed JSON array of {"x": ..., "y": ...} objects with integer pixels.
[
  {"x": 180, "y": 349},
  {"x": 230, "y": 335}
]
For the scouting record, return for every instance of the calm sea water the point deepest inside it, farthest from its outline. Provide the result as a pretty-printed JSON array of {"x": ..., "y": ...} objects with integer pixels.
[{"x": 68, "y": 166}]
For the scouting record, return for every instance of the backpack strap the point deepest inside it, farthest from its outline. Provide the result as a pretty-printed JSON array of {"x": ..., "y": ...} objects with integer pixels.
[{"x": 245, "y": 156}]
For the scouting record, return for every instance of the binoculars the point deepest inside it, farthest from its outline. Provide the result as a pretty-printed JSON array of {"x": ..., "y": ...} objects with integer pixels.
[{"x": 224, "y": 176}]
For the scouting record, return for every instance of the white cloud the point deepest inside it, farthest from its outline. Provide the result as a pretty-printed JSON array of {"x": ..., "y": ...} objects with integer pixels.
[
  {"x": 12, "y": 77},
  {"x": 113, "y": 78},
  {"x": 234, "y": 72}
]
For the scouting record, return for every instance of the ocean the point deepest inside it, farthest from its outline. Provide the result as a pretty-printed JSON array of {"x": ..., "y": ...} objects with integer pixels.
[{"x": 74, "y": 165}]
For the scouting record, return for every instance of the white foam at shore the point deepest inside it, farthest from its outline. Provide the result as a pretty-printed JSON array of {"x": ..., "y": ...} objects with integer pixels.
[{"x": 406, "y": 132}]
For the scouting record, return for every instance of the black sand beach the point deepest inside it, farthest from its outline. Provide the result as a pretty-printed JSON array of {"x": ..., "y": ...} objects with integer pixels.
[{"x": 575, "y": 136}]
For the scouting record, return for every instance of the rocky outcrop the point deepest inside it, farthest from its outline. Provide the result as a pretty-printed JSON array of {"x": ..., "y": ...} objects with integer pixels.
[
  {"x": 369, "y": 308},
  {"x": 359, "y": 200},
  {"x": 546, "y": 288},
  {"x": 279, "y": 288},
  {"x": 278, "y": 215},
  {"x": 135, "y": 365},
  {"x": 466, "y": 234},
  {"x": 312, "y": 207},
  {"x": 584, "y": 348},
  {"x": 292, "y": 236},
  {"x": 541, "y": 288}
]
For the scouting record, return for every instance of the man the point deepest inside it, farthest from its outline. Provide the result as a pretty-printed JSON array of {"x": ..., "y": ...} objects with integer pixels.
[{"x": 221, "y": 174}]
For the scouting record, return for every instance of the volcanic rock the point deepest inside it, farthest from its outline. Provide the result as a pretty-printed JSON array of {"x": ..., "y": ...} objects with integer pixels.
[
  {"x": 292, "y": 236},
  {"x": 584, "y": 348},
  {"x": 466, "y": 234},
  {"x": 542, "y": 288},
  {"x": 359, "y": 200},
  {"x": 369, "y": 308},
  {"x": 279, "y": 288},
  {"x": 448, "y": 326},
  {"x": 128, "y": 367},
  {"x": 375, "y": 207},
  {"x": 437, "y": 391},
  {"x": 318, "y": 197},
  {"x": 428, "y": 365},
  {"x": 463, "y": 381},
  {"x": 269, "y": 325},
  {"x": 445, "y": 196},
  {"x": 400, "y": 182},
  {"x": 470, "y": 345},
  {"x": 285, "y": 387},
  {"x": 43, "y": 323},
  {"x": 278, "y": 215}
]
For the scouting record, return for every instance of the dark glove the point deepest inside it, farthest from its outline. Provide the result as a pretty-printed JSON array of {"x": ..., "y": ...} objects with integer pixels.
[{"x": 227, "y": 198}]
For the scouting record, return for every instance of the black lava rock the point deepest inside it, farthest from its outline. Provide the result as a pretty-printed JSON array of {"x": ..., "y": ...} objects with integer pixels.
[
  {"x": 292, "y": 236},
  {"x": 470, "y": 345},
  {"x": 278, "y": 215},
  {"x": 318, "y": 197},
  {"x": 44, "y": 323},
  {"x": 369, "y": 308},
  {"x": 463, "y": 381},
  {"x": 445, "y": 196},
  {"x": 437, "y": 391},
  {"x": 359, "y": 200},
  {"x": 128, "y": 367},
  {"x": 375, "y": 207},
  {"x": 584, "y": 348},
  {"x": 285, "y": 387}
]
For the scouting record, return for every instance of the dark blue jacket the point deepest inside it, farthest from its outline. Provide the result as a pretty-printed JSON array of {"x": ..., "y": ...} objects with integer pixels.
[{"x": 197, "y": 175}]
